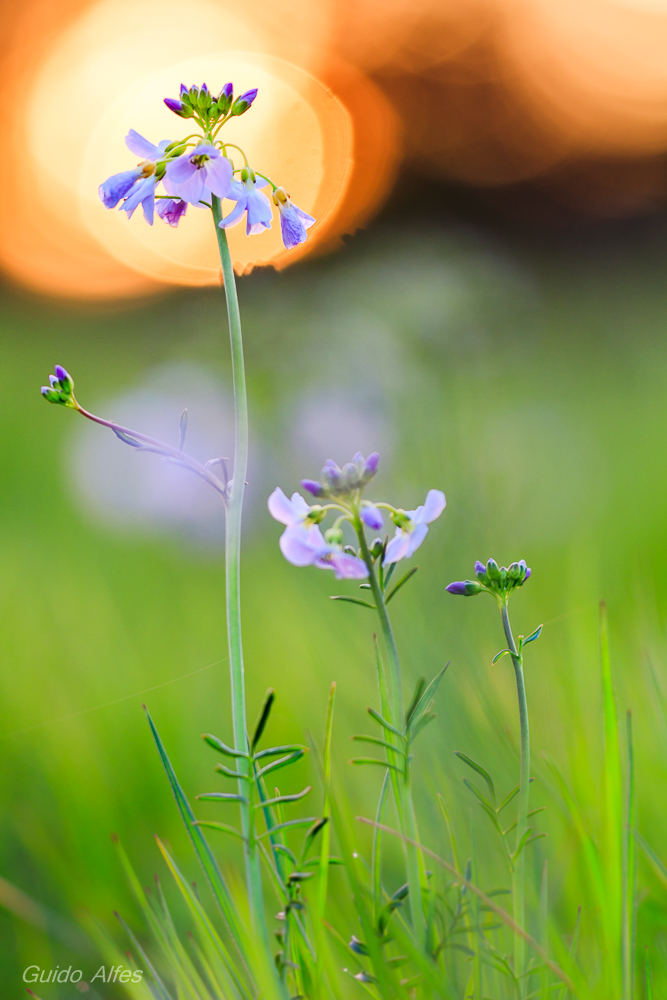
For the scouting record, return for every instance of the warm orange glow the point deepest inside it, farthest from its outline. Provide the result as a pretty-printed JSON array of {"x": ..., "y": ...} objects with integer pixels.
[{"x": 108, "y": 72}]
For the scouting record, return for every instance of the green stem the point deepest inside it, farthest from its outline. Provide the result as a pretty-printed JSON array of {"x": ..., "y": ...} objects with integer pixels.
[
  {"x": 232, "y": 574},
  {"x": 395, "y": 683},
  {"x": 518, "y": 874},
  {"x": 401, "y": 784}
]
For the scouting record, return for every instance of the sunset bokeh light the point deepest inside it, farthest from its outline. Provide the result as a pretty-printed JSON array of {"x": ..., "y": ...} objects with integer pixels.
[{"x": 486, "y": 93}]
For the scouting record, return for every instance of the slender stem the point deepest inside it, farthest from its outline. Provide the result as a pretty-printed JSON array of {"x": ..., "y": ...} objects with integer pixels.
[
  {"x": 401, "y": 784},
  {"x": 518, "y": 874},
  {"x": 232, "y": 574},
  {"x": 387, "y": 631}
]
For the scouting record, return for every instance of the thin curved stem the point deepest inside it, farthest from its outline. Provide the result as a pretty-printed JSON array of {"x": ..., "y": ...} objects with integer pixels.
[
  {"x": 232, "y": 572},
  {"x": 518, "y": 874}
]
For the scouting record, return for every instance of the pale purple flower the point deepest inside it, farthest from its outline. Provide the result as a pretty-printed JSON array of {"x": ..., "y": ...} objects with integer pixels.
[
  {"x": 293, "y": 221},
  {"x": 114, "y": 188},
  {"x": 197, "y": 173},
  {"x": 303, "y": 544},
  {"x": 407, "y": 539},
  {"x": 142, "y": 194},
  {"x": 254, "y": 202},
  {"x": 243, "y": 101},
  {"x": 171, "y": 210},
  {"x": 372, "y": 517},
  {"x": 137, "y": 186}
]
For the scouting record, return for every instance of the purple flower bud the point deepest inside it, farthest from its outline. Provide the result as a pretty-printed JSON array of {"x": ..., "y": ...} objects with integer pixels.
[
  {"x": 61, "y": 374},
  {"x": 313, "y": 487},
  {"x": 249, "y": 96},
  {"x": 226, "y": 91},
  {"x": 174, "y": 105},
  {"x": 372, "y": 517},
  {"x": 184, "y": 89},
  {"x": 204, "y": 89},
  {"x": 480, "y": 567},
  {"x": 458, "y": 587},
  {"x": 371, "y": 465},
  {"x": 528, "y": 572}
]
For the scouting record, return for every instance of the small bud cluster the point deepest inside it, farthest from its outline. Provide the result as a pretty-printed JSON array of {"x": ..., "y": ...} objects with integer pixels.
[
  {"x": 198, "y": 103},
  {"x": 60, "y": 389},
  {"x": 494, "y": 579},
  {"x": 337, "y": 482}
]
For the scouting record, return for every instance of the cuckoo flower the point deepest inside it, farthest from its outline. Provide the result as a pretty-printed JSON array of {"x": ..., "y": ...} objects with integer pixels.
[
  {"x": 412, "y": 527},
  {"x": 251, "y": 200},
  {"x": 342, "y": 483},
  {"x": 293, "y": 221},
  {"x": 171, "y": 210},
  {"x": 194, "y": 174}
]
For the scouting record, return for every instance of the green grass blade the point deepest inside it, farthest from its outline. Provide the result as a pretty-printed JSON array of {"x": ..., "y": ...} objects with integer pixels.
[{"x": 629, "y": 871}]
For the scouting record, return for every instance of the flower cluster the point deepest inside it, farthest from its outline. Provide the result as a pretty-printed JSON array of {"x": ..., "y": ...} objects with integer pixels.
[
  {"x": 198, "y": 168},
  {"x": 60, "y": 388},
  {"x": 303, "y": 543},
  {"x": 497, "y": 580}
]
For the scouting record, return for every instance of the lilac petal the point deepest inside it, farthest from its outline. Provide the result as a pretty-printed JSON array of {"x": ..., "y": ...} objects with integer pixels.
[
  {"x": 234, "y": 216},
  {"x": 192, "y": 189},
  {"x": 180, "y": 170},
  {"x": 205, "y": 149},
  {"x": 458, "y": 587},
  {"x": 302, "y": 546},
  {"x": 300, "y": 506},
  {"x": 144, "y": 189},
  {"x": 416, "y": 537},
  {"x": 171, "y": 211},
  {"x": 219, "y": 176},
  {"x": 118, "y": 186},
  {"x": 434, "y": 505},
  {"x": 528, "y": 572},
  {"x": 292, "y": 229},
  {"x": 260, "y": 182},
  {"x": 280, "y": 507},
  {"x": 140, "y": 146},
  {"x": 372, "y": 517},
  {"x": 148, "y": 204},
  {"x": 348, "y": 567},
  {"x": 260, "y": 215},
  {"x": 397, "y": 548},
  {"x": 307, "y": 220}
]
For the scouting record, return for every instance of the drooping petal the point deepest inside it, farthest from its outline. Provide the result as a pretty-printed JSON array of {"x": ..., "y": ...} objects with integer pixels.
[
  {"x": 397, "y": 548},
  {"x": 416, "y": 537},
  {"x": 433, "y": 507},
  {"x": 142, "y": 147},
  {"x": 148, "y": 203},
  {"x": 300, "y": 545},
  {"x": 345, "y": 565},
  {"x": 281, "y": 507},
  {"x": 234, "y": 216},
  {"x": 372, "y": 517},
  {"x": 145, "y": 189},
  {"x": 219, "y": 176},
  {"x": 118, "y": 186},
  {"x": 171, "y": 211},
  {"x": 260, "y": 215},
  {"x": 292, "y": 229}
]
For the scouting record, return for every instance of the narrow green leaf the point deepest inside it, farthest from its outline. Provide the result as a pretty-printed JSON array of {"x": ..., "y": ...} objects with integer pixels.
[
  {"x": 611, "y": 839},
  {"x": 533, "y": 635},
  {"x": 475, "y": 790},
  {"x": 378, "y": 742},
  {"x": 422, "y": 723},
  {"x": 323, "y": 881},
  {"x": 374, "y": 760},
  {"x": 228, "y": 773},
  {"x": 275, "y": 751},
  {"x": 275, "y": 765},
  {"x": 353, "y": 600},
  {"x": 401, "y": 583},
  {"x": 660, "y": 868},
  {"x": 204, "y": 853},
  {"x": 503, "y": 652},
  {"x": 647, "y": 976},
  {"x": 629, "y": 871},
  {"x": 427, "y": 697},
  {"x": 285, "y": 798},
  {"x": 383, "y": 722},
  {"x": 263, "y": 717},
  {"x": 522, "y": 843},
  {"x": 221, "y": 797},
  {"x": 221, "y": 747},
  {"x": 480, "y": 770},
  {"x": 316, "y": 828},
  {"x": 304, "y": 821},
  {"x": 222, "y": 827},
  {"x": 414, "y": 701}
]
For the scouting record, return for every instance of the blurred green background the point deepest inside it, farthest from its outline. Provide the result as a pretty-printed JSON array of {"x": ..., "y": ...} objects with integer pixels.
[{"x": 524, "y": 374}]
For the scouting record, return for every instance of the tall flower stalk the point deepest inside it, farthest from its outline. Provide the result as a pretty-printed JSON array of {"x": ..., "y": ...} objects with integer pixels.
[{"x": 500, "y": 582}]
